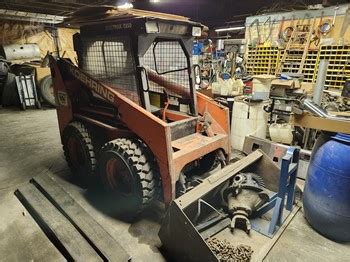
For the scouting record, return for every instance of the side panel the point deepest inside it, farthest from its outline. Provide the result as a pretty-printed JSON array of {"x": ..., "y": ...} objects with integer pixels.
[
  {"x": 63, "y": 102},
  {"x": 219, "y": 116}
]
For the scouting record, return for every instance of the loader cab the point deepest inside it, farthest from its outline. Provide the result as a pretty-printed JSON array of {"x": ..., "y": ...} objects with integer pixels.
[{"x": 147, "y": 60}]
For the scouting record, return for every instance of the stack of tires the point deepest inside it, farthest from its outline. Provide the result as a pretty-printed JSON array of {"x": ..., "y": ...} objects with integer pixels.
[{"x": 8, "y": 89}]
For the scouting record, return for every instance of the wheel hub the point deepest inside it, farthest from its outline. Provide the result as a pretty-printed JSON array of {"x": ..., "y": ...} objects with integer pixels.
[{"x": 118, "y": 176}]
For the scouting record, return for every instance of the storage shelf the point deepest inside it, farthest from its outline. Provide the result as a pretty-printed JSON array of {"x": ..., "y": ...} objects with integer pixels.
[{"x": 260, "y": 59}]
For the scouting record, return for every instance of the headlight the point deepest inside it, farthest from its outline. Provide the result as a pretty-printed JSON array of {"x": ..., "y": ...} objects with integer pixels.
[
  {"x": 196, "y": 31},
  {"x": 152, "y": 27}
]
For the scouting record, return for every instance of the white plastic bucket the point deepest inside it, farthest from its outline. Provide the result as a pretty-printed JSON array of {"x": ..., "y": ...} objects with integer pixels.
[
  {"x": 262, "y": 86},
  {"x": 281, "y": 133}
]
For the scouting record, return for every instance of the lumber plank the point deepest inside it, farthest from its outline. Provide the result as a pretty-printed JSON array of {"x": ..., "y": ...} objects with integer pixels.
[
  {"x": 96, "y": 234},
  {"x": 21, "y": 239},
  {"x": 332, "y": 125},
  {"x": 91, "y": 14},
  {"x": 68, "y": 240}
]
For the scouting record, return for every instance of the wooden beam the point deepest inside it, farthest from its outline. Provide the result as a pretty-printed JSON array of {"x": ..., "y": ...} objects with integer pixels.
[
  {"x": 331, "y": 125},
  {"x": 57, "y": 228},
  {"x": 98, "y": 237}
]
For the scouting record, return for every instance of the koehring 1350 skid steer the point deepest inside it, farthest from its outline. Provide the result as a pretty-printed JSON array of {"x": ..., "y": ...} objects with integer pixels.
[{"x": 129, "y": 113}]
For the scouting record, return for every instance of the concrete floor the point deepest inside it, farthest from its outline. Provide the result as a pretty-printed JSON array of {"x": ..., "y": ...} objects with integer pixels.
[{"x": 30, "y": 145}]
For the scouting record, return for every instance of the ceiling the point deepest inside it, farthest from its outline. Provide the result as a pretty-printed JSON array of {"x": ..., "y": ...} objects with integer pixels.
[{"x": 212, "y": 13}]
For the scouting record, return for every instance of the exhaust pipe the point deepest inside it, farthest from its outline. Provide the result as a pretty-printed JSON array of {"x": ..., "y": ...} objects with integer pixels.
[{"x": 320, "y": 112}]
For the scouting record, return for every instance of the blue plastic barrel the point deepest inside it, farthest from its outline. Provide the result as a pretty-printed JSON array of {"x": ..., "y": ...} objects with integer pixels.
[{"x": 327, "y": 189}]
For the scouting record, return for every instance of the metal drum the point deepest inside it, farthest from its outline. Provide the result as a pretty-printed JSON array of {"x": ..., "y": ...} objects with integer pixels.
[
  {"x": 327, "y": 189},
  {"x": 21, "y": 52}
]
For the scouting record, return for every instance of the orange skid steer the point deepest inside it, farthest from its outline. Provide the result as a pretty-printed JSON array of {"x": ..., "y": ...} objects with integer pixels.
[{"x": 129, "y": 114}]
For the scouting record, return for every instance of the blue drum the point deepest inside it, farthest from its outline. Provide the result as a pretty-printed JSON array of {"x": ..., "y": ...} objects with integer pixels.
[{"x": 327, "y": 189}]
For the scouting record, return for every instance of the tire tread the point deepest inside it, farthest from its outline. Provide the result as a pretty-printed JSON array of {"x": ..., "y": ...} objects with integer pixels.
[
  {"x": 84, "y": 135},
  {"x": 140, "y": 160}
]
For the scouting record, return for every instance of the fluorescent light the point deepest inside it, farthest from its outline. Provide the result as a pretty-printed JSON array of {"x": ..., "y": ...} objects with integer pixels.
[
  {"x": 236, "y": 28},
  {"x": 125, "y": 6}
]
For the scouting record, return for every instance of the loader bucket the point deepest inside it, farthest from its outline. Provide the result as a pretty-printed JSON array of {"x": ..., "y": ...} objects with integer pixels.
[{"x": 185, "y": 230}]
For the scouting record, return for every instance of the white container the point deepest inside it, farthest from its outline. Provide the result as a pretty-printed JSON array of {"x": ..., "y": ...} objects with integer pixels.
[
  {"x": 281, "y": 133},
  {"x": 247, "y": 119},
  {"x": 262, "y": 86}
]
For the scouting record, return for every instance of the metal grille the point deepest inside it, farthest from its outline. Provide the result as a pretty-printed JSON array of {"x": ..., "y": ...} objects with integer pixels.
[
  {"x": 169, "y": 57},
  {"x": 110, "y": 60}
]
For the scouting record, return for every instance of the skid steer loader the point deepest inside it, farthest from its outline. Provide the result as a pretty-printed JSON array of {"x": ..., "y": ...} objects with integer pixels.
[{"x": 129, "y": 113}]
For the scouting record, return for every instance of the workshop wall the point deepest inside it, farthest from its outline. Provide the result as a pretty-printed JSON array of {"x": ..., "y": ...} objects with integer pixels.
[
  {"x": 268, "y": 26},
  {"x": 265, "y": 46},
  {"x": 30, "y": 33},
  {"x": 269, "y": 34}
]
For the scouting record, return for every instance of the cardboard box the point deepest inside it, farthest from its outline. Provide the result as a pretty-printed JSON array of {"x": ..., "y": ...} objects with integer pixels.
[
  {"x": 208, "y": 92},
  {"x": 297, "y": 83},
  {"x": 290, "y": 84},
  {"x": 308, "y": 87}
]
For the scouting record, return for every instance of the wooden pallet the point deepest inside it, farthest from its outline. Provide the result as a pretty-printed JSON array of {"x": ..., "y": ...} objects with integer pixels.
[{"x": 66, "y": 224}]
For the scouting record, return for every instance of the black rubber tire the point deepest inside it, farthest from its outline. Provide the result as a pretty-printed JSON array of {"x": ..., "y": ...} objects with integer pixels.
[
  {"x": 46, "y": 90},
  {"x": 80, "y": 153},
  {"x": 208, "y": 162},
  {"x": 10, "y": 94},
  {"x": 139, "y": 167}
]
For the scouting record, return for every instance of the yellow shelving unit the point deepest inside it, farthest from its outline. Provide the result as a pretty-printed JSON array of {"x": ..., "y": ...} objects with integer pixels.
[
  {"x": 338, "y": 70},
  {"x": 310, "y": 65},
  {"x": 261, "y": 59}
]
